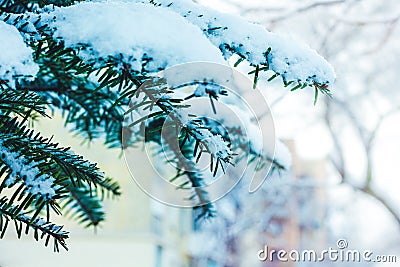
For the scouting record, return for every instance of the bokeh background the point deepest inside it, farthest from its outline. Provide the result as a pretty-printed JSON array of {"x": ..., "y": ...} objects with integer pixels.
[{"x": 344, "y": 182}]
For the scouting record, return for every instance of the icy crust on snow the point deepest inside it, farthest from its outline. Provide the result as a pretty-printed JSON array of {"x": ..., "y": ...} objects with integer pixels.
[
  {"x": 140, "y": 33},
  {"x": 15, "y": 56},
  {"x": 290, "y": 58},
  {"x": 22, "y": 169}
]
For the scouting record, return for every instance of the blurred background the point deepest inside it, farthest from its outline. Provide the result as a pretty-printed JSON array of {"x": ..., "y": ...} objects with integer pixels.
[{"x": 344, "y": 182}]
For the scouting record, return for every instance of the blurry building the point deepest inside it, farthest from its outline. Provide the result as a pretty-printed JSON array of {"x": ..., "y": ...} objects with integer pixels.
[
  {"x": 303, "y": 229},
  {"x": 293, "y": 222}
]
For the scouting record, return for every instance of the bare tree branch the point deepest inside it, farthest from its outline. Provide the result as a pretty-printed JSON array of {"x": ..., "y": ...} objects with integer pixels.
[
  {"x": 305, "y": 8},
  {"x": 341, "y": 165}
]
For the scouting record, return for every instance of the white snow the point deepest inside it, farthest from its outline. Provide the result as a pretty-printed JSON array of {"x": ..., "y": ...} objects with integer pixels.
[
  {"x": 134, "y": 30},
  {"x": 15, "y": 56},
  {"x": 207, "y": 89},
  {"x": 22, "y": 169},
  {"x": 42, "y": 223},
  {"x": 290, "y": 58},
  {"x": 232, "y": 116},
  {"x": 204, "y": 72},
  {"x": 172, "y": 32},
  {"x": 216, "y": 145}
]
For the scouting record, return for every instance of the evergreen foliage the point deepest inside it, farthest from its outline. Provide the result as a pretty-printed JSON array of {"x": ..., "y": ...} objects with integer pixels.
[{"x": 44, "y": 179}]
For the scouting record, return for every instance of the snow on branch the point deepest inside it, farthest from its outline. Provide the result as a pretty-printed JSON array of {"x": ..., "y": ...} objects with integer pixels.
[
  {"x": 148, "y": 38},
  {"x": 142, "y": 38},
  {"x": 35, "y": 181},
  {"x": 42, "y": 165},
  {"x": 15, "y": 57},
  {"x": 41, "y": 227},
  {"x": 158, "y": 92},
  {"x": 126, "y": 42},
  {"x": 289, "y": 58}
]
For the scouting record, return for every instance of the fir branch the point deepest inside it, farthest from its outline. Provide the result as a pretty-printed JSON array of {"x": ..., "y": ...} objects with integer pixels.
[
  {"x": 107, "y": 188},
  {"x": 185, "y": 162},
  {"x": 186, "y": 166},
  {"x": 240, "y": 142},
  {"x": 58, "y": 159},
  {"x": 21, "y": 102},
  {"x": 74, "y": 178},
  {"x": 21, "y": 6},
  {"x": 155, "y": 91},
  {"x": 40, "y": 227},
  {"x": 83, "y": 205}
]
